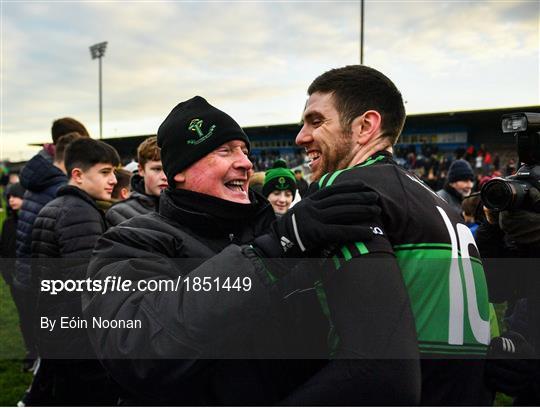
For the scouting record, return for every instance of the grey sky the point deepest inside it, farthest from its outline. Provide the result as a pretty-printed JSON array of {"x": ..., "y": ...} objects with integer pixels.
[{"x": 252, "y": 59}]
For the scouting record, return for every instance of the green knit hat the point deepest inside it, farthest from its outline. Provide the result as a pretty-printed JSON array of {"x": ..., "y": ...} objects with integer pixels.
[{"x": 279, "y": 178}]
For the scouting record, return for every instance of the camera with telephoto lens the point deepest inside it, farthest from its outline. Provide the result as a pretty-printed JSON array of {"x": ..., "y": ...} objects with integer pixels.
[{"x": 512, "y": 193}]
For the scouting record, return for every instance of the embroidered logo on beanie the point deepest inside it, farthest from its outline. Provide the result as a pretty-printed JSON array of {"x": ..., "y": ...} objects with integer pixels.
[
  {"x": 279, "y": 178},
  {"x": 196, "y": 126}
]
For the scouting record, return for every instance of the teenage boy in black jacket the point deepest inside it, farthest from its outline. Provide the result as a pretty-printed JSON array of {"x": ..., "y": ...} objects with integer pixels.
[{"x": 63, "y": 237}]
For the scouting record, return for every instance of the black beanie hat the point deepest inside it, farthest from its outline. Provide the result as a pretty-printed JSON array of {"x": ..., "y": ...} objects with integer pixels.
[
  {"x": 15, "y": 190},
  {"x": 460, "y": 170},
  {"x": 193, "y": 129}
]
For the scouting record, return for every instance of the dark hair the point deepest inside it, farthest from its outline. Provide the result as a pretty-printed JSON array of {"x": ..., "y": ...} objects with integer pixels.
[
  {"x": 64, "y": 126},
  {"x": 123, "y": 178},
  {"x": 62, "y": 144},
  {"x": 148, "y": 150},
  {"x": 15, "y": 190},
  {"x": 357, "y": 89},
  {"x": 470, "y": 204},
  {"x": 85, "y": 152}
]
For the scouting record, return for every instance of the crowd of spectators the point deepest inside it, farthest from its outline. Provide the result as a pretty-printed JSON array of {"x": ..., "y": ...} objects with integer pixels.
[
  {"x": 265, "y": 159},
  {"x": 431, "y": 164},
  {"x": 428, "y": 161}
]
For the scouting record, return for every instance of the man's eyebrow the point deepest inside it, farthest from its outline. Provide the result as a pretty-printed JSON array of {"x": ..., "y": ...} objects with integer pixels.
[{"x": 309, "y": 115}]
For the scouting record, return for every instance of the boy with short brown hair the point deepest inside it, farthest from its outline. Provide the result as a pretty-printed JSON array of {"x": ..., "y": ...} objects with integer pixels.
[{"x": 146, "y": 186}]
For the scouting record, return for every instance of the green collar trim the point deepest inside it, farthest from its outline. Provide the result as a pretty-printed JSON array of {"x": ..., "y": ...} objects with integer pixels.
[{"x": 332, "y": 176}]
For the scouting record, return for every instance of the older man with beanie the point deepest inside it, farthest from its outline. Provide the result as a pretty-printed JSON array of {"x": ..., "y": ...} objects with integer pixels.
[
  {"x": 210, "y": 229},
  {"x": 459, "y": 184}
]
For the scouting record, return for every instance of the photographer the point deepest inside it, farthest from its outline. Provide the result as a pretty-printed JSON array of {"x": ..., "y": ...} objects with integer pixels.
[{"x": 512, "y": 230}]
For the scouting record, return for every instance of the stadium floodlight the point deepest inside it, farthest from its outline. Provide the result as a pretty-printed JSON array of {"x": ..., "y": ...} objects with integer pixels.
[
  {"x": 361, "y": 32},
  {"x": 98, "y": 52}
]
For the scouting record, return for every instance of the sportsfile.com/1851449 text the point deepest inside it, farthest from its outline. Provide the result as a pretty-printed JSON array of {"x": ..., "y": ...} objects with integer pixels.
[{"x": 119, "y": 284}]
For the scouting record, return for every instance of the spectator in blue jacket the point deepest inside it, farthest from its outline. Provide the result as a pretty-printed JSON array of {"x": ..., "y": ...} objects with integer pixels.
[{"x": 42, "y": 176}]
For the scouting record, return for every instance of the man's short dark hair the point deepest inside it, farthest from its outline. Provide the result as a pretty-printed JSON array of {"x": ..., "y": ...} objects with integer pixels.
[
  {"x": 85, "y": 153},
  {"x": 470, "y": 204},
  {"x": 357, "y": 89},
  {"x": 62, "y": 143},
  {"x": 64, "y": 126}
]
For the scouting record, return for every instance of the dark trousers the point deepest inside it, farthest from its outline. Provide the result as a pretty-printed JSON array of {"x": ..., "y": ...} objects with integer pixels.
[{"x": 25, "y": 301}]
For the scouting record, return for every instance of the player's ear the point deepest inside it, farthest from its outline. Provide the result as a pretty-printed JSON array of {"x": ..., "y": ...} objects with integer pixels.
[{"x": 366, "y": 127}]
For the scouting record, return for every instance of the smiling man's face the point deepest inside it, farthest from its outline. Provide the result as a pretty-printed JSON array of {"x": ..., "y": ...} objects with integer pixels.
[
  {"x": 224, "y": 173},
  {"x": 327, "y": 145}
]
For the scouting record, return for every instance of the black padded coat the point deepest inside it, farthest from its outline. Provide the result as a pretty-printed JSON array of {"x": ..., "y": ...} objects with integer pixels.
[
  {"x": 150, "y": 362},
  {"x": 63, "y": 238}
]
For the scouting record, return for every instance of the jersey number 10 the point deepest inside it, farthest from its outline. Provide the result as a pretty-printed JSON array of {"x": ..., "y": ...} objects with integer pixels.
[{"x": 479, "y": 327}]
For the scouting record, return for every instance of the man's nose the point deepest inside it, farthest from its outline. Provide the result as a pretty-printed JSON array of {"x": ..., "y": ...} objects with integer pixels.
[
  {"x": 303, "y": 137},
  {"x": 243, "y": 162}
]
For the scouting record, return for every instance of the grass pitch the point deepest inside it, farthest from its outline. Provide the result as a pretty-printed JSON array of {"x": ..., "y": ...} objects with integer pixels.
[{"x": 13, "y": 381}]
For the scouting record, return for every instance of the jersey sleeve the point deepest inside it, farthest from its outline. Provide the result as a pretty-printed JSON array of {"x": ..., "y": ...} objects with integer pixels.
[{"x": 379, "y": 244}]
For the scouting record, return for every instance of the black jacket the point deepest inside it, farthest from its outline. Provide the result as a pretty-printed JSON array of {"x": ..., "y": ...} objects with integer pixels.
[
  {"x": 63, "y": 238},
  {"x": 451, "y": 196},
  {"x": 138, "y": 203},
  {"x": 42, "y": 180},
  {"x": 193, "y": 236}
]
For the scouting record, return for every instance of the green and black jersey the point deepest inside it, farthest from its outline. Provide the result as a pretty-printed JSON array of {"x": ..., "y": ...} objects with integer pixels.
[{"x": 436, "y": 254}]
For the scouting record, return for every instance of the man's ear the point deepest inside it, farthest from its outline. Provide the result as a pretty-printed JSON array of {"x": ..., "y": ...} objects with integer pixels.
[
  {"x": 180, "y": 178},
  {"x": 76, "y": 175},
  {"x": 124, "y": 193},
  {"x": 366, "y": 127}
]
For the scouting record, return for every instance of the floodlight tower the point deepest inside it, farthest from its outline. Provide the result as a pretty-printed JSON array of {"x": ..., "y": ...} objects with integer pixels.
[
  {"x": 361, "y": 32},
  {"x": 98, "y": 51}
]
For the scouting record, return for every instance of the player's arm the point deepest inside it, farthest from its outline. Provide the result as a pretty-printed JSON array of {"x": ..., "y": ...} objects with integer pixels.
[{"x": 376, "y": 361}]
